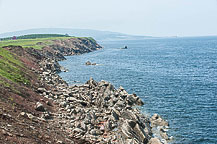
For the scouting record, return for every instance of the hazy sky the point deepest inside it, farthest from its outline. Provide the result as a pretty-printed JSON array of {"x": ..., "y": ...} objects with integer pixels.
[{"x": 139, "y": 17}]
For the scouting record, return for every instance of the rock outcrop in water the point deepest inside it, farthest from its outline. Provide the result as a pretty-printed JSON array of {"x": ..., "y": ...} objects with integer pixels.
[
  {"x": 89, "y": 63},
  {"x": 94, "y": 112}
]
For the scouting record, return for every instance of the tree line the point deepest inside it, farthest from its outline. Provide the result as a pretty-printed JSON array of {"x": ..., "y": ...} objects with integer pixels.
[{"x": 34, "y": 36}]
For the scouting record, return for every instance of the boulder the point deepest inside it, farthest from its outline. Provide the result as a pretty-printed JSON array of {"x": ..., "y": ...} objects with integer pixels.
[
  {"x": 121, "y": 88},
  {"x": 71, "y": 99},
  {"x": 96, "y": 132},
  {"x": 164, "y": 135},
  {"x": 78, "y": 130},
  {"x": 156, "y": 120},
  {"x": 88, "y": 63},
  {"x": 115, "y": 114},
  {"x": 30, "y": 116},
  {"x": 46, "y": 115},
  {"x": 39, "y": 107},
  {"x": 131, "y": 130},
  {"x": 23, "y": 114},
  {"x": 41, "y": 90},
  {"x": 131, "y": 100},
  {"x": 48, "y": 103},
  {"x": 92, "y": 83},
  {"x": 139, "y": 102},
  {"x": 59, "y": 142},
  {"x": 62, "y": 104}
]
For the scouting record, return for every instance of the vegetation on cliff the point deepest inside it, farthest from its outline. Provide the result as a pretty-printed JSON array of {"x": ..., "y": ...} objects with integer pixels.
[
  {"x": 11, "y": 68},
  {"x": 37, "y": 41},
  {"x": 20, "y": 70}
]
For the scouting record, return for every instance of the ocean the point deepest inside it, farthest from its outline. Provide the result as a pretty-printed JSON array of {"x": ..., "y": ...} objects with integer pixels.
[{"x": 175, "y": 77}]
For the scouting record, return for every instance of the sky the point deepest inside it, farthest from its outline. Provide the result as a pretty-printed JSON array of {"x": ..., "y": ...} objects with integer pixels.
[{"x": 137, "y": 17}]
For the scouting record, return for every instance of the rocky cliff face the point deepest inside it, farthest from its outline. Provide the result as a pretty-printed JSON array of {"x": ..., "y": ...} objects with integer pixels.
[
  {"x": 47, "y": 110},
  {"x": 69, "y": 47}
]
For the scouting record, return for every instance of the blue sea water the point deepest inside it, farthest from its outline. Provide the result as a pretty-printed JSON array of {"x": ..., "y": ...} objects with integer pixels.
[{"x": 175, "y": 77}]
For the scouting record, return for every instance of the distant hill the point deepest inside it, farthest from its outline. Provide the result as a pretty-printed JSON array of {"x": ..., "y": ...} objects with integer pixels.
[
  {"x": 34, "y": 36},
  {"x": 96, "y": 34}
]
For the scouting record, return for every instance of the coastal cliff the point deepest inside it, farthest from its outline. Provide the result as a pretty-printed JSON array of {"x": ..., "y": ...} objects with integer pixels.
[{"x": 37, "y": 106}]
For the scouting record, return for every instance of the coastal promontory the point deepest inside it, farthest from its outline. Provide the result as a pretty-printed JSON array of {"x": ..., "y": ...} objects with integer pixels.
[{"x": 38, "y": 106}]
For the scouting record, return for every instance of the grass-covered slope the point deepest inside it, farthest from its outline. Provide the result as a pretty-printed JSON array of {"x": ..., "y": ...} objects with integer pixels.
[
  {"x": 18, "y": 84},
  {"x": 37, "y": 43},
  {"x": 21, "y": 67},
  {"x": 11, "y": 68},
  {"x": 13, "y": 61}
]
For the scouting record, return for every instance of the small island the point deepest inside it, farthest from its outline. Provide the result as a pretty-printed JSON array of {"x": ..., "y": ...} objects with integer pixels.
[{"x": 125, "y": 47}]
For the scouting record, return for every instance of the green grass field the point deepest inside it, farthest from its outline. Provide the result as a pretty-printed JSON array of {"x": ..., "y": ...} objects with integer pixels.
[{"x": 25, "y": 43}]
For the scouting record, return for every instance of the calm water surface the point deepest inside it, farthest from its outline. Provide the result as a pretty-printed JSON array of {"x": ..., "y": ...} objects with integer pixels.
[{"x": 176, "y": 78}]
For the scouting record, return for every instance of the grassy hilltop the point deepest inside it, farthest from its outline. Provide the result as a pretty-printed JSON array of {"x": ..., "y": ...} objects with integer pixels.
[
  {"x": 11, "y": 67},
  {"x": 37, "y": 41}
]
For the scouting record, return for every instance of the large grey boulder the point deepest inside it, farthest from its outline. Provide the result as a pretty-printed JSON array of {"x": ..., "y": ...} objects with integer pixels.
[{"x": 131, "y": 130}]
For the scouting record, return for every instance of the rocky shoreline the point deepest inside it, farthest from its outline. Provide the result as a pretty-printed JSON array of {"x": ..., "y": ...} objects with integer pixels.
[{"x": 94, "y": 112}]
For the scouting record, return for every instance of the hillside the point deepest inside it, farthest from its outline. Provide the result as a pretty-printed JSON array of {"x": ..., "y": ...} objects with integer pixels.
[
  {"x": 20, "y": 69},
  {"x": 38, "y": 41},
  {"x": 96, "y": 34},
  {"x": 34, "y": 36}
]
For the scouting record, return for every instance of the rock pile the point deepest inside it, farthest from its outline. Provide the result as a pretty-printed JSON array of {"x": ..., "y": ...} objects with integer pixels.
[
  {"x": 160, "y": 127},
  {"x": 97, "y": 112}
]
